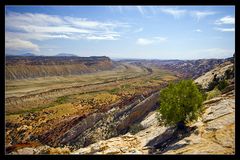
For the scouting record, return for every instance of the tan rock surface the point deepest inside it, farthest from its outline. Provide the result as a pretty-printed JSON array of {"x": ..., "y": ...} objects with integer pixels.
[
  {"x": 216, "y": 130},
  {"x": 126, "y": 144},
  {"x": 215, "y": 134},
  {"x": 205, "y": 79}
]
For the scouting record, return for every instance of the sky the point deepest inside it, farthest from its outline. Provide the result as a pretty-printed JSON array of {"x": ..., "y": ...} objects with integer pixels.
[{"x": 145, "y": 32}]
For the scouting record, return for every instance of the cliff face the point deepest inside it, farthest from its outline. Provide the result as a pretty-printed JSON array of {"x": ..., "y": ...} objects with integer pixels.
[{"x": 18, "y": 67}]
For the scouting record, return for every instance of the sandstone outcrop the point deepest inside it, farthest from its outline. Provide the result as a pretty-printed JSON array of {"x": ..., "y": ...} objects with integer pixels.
[
  {"x": 126, "y": 144},
  {"x": 83, "y": 131},
  {"x": 218, "y": 72},
  {"x": 214, "y": 133}
]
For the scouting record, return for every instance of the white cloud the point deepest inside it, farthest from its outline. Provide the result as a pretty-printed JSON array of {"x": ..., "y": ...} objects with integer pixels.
[
  {"x": 225, "y": 20},
  {"x": 13, "y": 18},
  {"x": 197, "y": 30},
  {"x": 85, "y": 23},
  {"x": 225, "y": 29},
  {"x": 177, "y": 13},
  {"x": 51, "y": 29},
  {"x": 29, "y": 26},
  {"x": 104, "y": 37},
  {"x": 22, "y": 28},
  {"x": 18, "y": 44},
  {"x": 202, "y": 14},
  {"x": 144, "y": 41},
  {"x": 143, "y": 10},
  {"x": 35, "y": 36},
  {"x": 82, "y": 22}
]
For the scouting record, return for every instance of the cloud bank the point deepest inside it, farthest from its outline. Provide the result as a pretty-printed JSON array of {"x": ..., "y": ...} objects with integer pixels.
[
  {"x": 144, "y": 41},
  {"x": 22, "y": 28}
]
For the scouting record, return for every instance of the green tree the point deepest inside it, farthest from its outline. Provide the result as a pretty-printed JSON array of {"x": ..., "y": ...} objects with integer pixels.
[{"x": 180, "y": 103}]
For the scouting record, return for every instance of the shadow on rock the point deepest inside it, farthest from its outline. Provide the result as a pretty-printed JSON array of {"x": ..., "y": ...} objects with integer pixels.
[{"x": 166, "y": 141}]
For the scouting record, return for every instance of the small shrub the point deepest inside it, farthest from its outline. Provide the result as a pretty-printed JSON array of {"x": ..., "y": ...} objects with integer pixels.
[
  {"x": 211, "y": 94},
  {"x": 229, "y": 74},
  {"x": 135, "y": 128},
  {"x": 114, "y": 90},
  {"x": 222, "y": 84},
  {"x": 62, "y": 100},
  {"x": 214, "y": 83},
  {"x": 126, "y": 86}
]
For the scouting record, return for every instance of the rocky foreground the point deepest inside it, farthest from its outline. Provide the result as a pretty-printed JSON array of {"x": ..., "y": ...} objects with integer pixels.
[{"x": 214, "y": 134}]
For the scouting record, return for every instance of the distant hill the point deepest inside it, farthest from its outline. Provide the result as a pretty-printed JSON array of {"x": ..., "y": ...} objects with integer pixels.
[
  {"x": 188, "y": 68},
  {"x": 22, "y": 54},
  {"x": 43, "y": 66},
  {"x": 66, "y": 55}
]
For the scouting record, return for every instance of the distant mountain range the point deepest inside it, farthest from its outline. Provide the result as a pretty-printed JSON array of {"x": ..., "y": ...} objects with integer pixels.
[
  {"x": 188, "y": 68},
  {"x": 66, "y": 55},
  {"x": 23, "y": 54},
  {"x": 31, "y": 54},
  {"x": 42, "y": 66}
]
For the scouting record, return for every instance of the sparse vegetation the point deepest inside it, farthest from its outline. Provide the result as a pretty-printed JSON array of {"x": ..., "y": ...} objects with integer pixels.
[
  {"x": 180, "y": 103},
  {"x": 58, "y": 100},
  {"x": 62, "y": 100},
  {"x": 213, "y": 93},
  {"x": 114, "y": 90},
  {"x": 229, "y": 73},
  {"x": 126, "y": 86},
  {"x": 214, "y": 83},
  {"x": 222, "y": 84}
]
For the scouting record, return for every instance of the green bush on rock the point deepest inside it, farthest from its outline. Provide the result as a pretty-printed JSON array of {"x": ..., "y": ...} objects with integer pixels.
[{"x": 180, "y": 103}]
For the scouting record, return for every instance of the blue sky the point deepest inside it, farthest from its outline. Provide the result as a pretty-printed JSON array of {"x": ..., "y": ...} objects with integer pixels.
[{"x": 150, "y": 32}]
